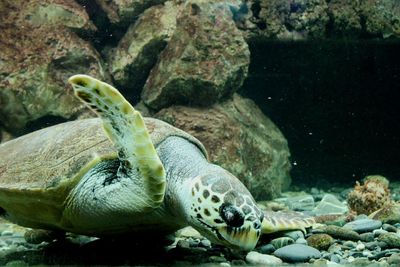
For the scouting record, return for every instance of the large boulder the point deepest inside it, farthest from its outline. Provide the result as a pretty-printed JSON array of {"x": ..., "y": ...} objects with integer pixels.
[
  {"x": 207, "y": 57},
  {"x": 124, "y": 12},
  {"x": 35, "y": 63},
  {"x": 240, "y": 138},
  {"x": 137, "y": 52}
]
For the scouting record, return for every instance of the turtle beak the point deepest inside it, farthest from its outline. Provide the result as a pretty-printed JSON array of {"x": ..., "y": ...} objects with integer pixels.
[{"x": 242, "y": 238}]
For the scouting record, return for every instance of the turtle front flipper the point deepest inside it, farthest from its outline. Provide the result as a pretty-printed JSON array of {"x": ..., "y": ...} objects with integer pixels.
[
  {"x": 126, "y": 128},
  {"x": 282, "y": 221}
]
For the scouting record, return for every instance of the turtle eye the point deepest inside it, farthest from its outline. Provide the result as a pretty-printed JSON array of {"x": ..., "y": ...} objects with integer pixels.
[{"x": 231, "y": 215}]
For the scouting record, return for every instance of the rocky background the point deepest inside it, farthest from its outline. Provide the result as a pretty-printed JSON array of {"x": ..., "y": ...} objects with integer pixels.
[{"x": 180, "y": 61}]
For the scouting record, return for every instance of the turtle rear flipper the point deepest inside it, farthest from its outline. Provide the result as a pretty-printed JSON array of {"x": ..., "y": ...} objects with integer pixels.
[
  {"x": 125, "y": 127},
  {"x": 281, "y": 221}
]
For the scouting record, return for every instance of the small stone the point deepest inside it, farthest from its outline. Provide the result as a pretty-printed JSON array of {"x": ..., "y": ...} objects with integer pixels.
[
  {"x": 320, "y": 241},
  {"x": 7, "y": 233},
  {"x": 335, "y": 258},
  {"x": 375, "y": 245},
  {"x": 297, "y": 253},
  {"x": 378, "y": 232},
  {"x": 360, "y": 247},
  {"x": 254, "y": 257},
  {"x": 391, "y": 239},
  {"x": 205, "y": 243},
  {"x": 183, "y": 244},
  {"x": 267, "y": 249},
  {"x": 330, "y": 205},
  {"x": 363, "y": 225},
  {"x": 350, "y": 244},
  {"x": 301, "y": 241},
  {"x": 225, "y": 264},
  {"x": 281, "y": 242},
  {"x": 218, "y": 259},
  {"x": 389, "y": 228},
  {"x": 341, "y": 233},
  {"x": 367, "y": 237},
  {"x": 294, "y": 234},
  {"x": 394, "y": 259},
  {"x": 301, "y": 203},
  {"x": 238, "y": 262}
]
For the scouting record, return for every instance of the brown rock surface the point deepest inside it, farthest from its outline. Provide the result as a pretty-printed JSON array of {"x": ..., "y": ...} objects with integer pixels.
[
  {"x": 125, "y": 11},
  {"x": 240, "y": 138},
  {"x": 137, "y": 52},
  {"x": 205, "y": 60},
  {"x": 35, "y": 62}
]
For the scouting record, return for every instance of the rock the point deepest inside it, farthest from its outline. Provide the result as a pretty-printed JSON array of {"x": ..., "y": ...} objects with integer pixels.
[
  {"x": 330, "y": 205},
  {"x": 381, "y": 17},
  {"x": 371, "y": 196},
  {"x": 389, "y": 228},
  {"x": 363, "y": 225},
  {"x": 38, "y": 61},
  {"x": 302, "y": 241},
  {"x": 261, "y": 259},
  {"x": 394, "y": 259},
  {"x": 137, "y": 52},
  {"x": 241, "y": 139},
  {"x": 300, "y": 203},
  {"x": 124, "y": 12},
  {"x": 290, "y": 20},
  {"x": 267, "y": 249},
  {"x": 281, "y": 242},
  {"x": 388, "y": 214},
  {"x": 391, "y": 239},
  {"x": 341, "y": 233},
  {"x": 360, "y": 247},
  {"x": 294, "y": 234},
  {"x": 367, "y": 237},
  {"x": 205, "y": 60},
  {"x": 378, "y": 232},
  {"x": 297, "y": 253},
  {"x": 54, "y": 13},
  {"x": 320, "y": 241},
  {"x": 188, "y": 232},
  {"x": 345, "y": 17}
]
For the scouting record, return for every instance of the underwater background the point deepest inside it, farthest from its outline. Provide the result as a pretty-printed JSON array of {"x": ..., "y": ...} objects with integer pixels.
[{"x": 297, "y": 98}]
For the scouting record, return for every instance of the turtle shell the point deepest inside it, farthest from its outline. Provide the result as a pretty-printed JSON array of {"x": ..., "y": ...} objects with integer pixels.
[{"x": 39, "y": 169}]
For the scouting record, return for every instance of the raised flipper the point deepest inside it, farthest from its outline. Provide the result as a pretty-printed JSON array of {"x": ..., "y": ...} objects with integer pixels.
[
  {"x": 282, "y": 221},
  {"x": 125, "y": 127}
]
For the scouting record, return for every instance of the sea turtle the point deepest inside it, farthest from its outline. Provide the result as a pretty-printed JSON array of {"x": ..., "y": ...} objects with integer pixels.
[{"x": 120, "y": 173}]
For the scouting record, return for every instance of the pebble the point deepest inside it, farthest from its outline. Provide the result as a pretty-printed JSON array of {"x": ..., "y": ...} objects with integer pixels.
[
  {"x": 379, "y": 232},
  {"x": 205, "y": 243},
  {"x": 391, "y": 239},
  {"x": 389, "y": 228},
  {"x": 394, "y": 259},
  {"x": 341, "y": 233},
  {"x": 367, "y": 237},
  {"x": 294, "y": 234},
  {"x": 267, "y": 249},
  {"x": 320, "y": 241},
  {"x": 301, "y": 241},
  {"x": 300, "y": 203},
  {"x": 281, "y": 242},
  {"x": 363, "y": 225},
  {"x": 297, "y": 253},
  {"x": 330, "y": 205},
  {"x": 254, "y": 257},
  {"x": 360, "y": 247}
]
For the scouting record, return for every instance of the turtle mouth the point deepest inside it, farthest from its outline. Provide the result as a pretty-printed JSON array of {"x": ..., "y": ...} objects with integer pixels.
[{"x": 238, "y": 238}]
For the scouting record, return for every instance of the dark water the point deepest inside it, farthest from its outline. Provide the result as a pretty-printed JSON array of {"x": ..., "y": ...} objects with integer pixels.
[{"x": 336, "y": 102}]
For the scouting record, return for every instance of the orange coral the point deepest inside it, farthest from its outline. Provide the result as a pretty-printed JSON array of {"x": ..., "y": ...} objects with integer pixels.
[{"x": 371, "y": 196}]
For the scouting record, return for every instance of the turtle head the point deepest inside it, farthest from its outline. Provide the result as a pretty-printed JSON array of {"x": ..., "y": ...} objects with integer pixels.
[{"x": 223, "y": 210}]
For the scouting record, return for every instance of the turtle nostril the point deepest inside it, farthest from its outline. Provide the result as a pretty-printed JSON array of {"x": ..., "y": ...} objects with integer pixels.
[{"x": 257, "y": 225}]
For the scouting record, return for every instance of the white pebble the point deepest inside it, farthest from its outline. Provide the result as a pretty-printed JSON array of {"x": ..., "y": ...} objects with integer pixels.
[
  {"x": 225, "y": 264},
  {"x": 7, "y": 233},
  {"x": 254, "y": 257},
  {"x": 360, "y": 247}
]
